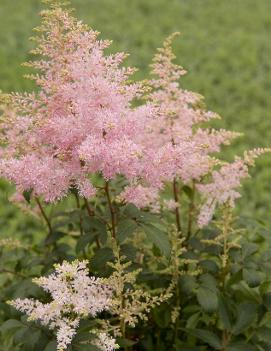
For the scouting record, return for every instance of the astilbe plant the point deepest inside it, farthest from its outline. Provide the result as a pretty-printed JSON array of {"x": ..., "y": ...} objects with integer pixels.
[{"x": 142, "y": 165}]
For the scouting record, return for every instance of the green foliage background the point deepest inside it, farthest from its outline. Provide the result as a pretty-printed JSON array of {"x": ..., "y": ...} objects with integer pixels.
[{"x": 225, "y": 46}]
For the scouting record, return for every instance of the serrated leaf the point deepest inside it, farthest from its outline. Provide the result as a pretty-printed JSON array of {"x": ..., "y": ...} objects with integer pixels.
[
  {"x": 158, "y": 238},
  {"x": 83, "y": 241},
  {"x": 240, "y": 346},
  {"x": 93, "y": 223},
  {"x": 96, "y": 227},
  {"x": 205, "y": 335},
  {"x": 161, "y": 316},
  {"x": 51, "y": 346},
  {"x": 53, "y": 237},
  {"x": 125, "y": 229},
  {"x": 193, "y": 320},
  {"x": 224, "y": 313},
  {"x": 252, "y": 277},
  {"x": 249, "y": 249},
  {"x": 246, "y": 315},
  {"x": 129, "y": 251},
  {"x": 122, "y": 342},
  {"x": 207, "y": 298},
  {"x": 263, "y": 334},
  {"x": 267, "y": 300},
  {"x": 132, "y": 211},
  {"x": 101, "y": 257},
  {"x": 188, "y": 284},
  {"x": 11, "y": 324},
  {"x": 208, "y": 281},
  {"x": 209, "y": 265}
]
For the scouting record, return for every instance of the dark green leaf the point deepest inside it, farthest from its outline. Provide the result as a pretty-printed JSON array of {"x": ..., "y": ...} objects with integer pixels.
[
  {"x": 11, "y": 324},
  {"x": 208, "y": 281},
  {"x": 84, "y": 240},
  {"x": 188, "y": 284},
  {"x": 51, "y": 346},
  {"x": 27, "y": 195},
  {"x": 161, "y": 316},
  {"x": 240, "y": 346},
  {"x": 125, "y": 229},
  {"x": 193, "y": 321},
  {"x": 249, "y": 249},
  {"x": 158, "y": 238},
  {"x": 102, "y": 256},
  {"x": 122, "y": 342},
  {"x": 207, "y": 298},
  {"x": 53, "y": 237},
  {"x": 267, "y": 300},
  {"x": 129, "y": 251},
  {"x": 209, "y": 265},
  {"x": 246, "y": 315},
  {"x": 205, "y": 335},
  {"x": 224, "y": 313},
  {"x": 252, "y": 277}
]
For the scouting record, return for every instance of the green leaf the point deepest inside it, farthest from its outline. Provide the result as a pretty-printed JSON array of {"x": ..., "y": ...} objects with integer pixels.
[
  {"x": 224, "y": 313},
  {"x": 125, "y": 229},
  {"x": 263, "y": 334},
  {"x": 122, "y": 342},
  {"x": 267, "y": 300},
  {"x": 11, "y": 324},
  {"x": 207, "y": 298},
  {"x": 95, "y": 226},
  {"x": 83, "y": 241},
  {"x": 27, "y": 195},
  {"x": 205, "y": 335},
  {"x": 51, "y": 346},
  {"x": 89, "y": 224},
  {"x": 30, "y": 338},
  {"x": 240, "y": 346},
  {"x": 209, "y": 266},
  {"x": 249, "y": 249},
  {"x": 188, "y": 284},
  {"x": 132, "y": 211},
  {"x": 252, "y": 277},
  {"x": 101, "y": 257},
  {"x": 53, "y": 237},
  {"x": 208, "y": 281},
  {"x": 246, "y": 315},
  {"x": 129, "y": 251},
  {"x": 162, "y": 316},
  {"x": 158, "y": 238},
  {"x": 193, "y": 320},
  {"x": 20, "y": 335}
]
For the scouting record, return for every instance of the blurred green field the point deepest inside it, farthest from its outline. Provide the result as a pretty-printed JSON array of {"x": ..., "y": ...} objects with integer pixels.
[{"x": 225, "y": 46}]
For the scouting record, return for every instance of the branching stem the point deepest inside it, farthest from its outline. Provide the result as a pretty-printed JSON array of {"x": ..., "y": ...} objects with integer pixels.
[
  {"x": 44, "y": 215},
  {"x": 91, "y": 214},
  {"x": 176, "y": 198},
  {"x": 191, "y": 211},
  {"x": 111, "y": 209}
]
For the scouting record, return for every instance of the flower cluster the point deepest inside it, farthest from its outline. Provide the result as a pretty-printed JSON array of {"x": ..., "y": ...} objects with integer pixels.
[
  {"x": 88, "y": 118},
  {"x": 83, "y": 120},
  {"x": 106, "y": 342},
  {"x": 75, "y": 296},
  {"x": 80, "y": 122},
  {"x": 222, "y": 189}
]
